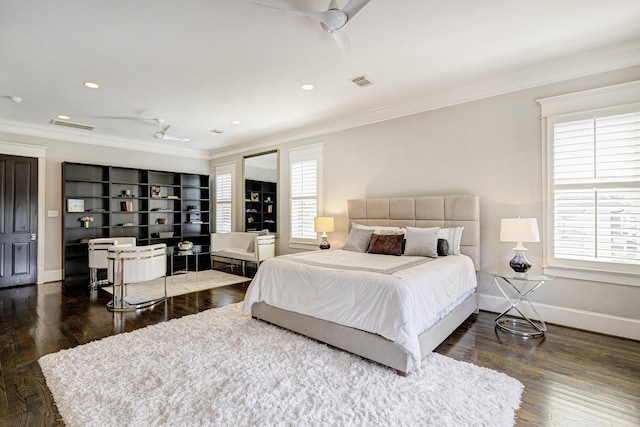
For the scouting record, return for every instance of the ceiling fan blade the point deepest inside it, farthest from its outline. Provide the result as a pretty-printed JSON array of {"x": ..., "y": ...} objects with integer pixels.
[
  {"x": 343, "y": 42},
  {"x": 173, "y": 138},
  {"x": 353, "y": 6},
  {"x": 318, "y": 16}
]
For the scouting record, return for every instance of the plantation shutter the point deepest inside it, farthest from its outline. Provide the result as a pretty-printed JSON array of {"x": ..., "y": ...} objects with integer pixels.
[
  {"x": 596, "y": 189},
  {"x": 304, "y": 198},
  {"x": 224, "y": 199}
]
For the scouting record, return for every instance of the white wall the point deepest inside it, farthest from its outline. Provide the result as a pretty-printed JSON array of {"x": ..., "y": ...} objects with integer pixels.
[
  {"x": 490, "y": 147},
  {"x": 61, "y": 151}
]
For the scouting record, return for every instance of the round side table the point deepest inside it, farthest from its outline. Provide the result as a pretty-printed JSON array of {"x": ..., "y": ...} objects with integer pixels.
[{"x": 516, "y": 288}]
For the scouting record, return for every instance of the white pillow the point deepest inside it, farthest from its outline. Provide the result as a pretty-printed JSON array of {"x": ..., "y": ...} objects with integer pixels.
[
  {"x": 453, "y": 236},
  {"x": 422, "y": 242},
  {"x": 358, "y": 240},
  {"x": 378, "y": 229}
]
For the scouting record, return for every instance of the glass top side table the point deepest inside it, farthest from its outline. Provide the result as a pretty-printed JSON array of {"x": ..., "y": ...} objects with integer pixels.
[
  {"x": 516, "y": 288},
  {"x": 174, "y": 253}
]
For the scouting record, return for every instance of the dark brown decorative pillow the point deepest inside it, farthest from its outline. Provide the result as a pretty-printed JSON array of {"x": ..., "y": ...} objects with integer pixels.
[{"x": 386, "y": 244}]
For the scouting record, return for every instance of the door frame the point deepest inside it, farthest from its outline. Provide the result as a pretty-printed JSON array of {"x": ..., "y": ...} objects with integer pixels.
[{"x": 39, "y": 152}]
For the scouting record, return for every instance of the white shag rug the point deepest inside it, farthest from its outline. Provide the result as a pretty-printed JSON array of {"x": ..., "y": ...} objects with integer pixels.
[
  {"x": 219, "y": 368},
  {"x": 179, "y": 284}
]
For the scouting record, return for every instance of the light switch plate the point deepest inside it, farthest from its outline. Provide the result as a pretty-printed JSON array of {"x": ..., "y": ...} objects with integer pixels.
[{"x": 52, "y": 214}]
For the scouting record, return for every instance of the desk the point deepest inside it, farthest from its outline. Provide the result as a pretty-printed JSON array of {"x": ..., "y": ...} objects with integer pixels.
[
  {"x": 509, "y": 284},
  {"x": 175, "y": 254}
]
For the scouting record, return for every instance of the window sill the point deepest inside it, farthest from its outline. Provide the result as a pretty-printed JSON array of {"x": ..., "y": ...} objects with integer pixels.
[
  {"x": 593, "y": 275},
  {"x": 305, "y": 246}
]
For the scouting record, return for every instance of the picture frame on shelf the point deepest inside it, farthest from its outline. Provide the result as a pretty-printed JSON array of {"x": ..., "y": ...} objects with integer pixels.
[
  {"x": 75, "y": 205},
  {"x": 255, "y": 197},
  {"x": 155, "y": 191}
]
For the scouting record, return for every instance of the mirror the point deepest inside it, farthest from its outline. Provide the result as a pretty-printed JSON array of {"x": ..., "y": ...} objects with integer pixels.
[{"x": 261, "y": 192}]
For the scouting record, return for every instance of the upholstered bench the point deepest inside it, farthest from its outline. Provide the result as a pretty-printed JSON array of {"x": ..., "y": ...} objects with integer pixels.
[{"x": 242, "y": 247}]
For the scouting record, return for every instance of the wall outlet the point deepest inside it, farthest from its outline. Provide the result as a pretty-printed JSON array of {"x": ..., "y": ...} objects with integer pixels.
[{"x": 52, "y": 214}]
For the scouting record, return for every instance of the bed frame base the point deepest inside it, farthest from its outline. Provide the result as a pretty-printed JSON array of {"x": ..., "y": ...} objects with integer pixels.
[{"x": 365, "y": 344}]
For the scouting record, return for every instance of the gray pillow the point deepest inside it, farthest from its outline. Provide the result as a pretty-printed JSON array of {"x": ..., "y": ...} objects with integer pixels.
[
  {"x": 358, "y": 240},
  {"x": 422, "y": 242}
]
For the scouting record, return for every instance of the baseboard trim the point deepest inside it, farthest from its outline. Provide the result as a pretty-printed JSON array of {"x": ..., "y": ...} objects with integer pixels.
[
  {"x": 50, "y": 276},
  {"x": 580, "y": 319}
]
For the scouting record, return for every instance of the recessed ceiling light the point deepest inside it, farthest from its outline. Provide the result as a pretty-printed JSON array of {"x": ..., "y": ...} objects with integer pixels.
[
  {"x": 63, "y": 117},
  {"x": 91, "y": 85},
  {"x": 235, "y": 122},
  {"x": 307, "y": 87}
]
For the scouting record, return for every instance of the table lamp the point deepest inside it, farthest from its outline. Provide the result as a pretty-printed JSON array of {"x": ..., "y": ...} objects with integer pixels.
[
  {"x": 519, "y": 230},
  {"x": 323, "y": 224}
]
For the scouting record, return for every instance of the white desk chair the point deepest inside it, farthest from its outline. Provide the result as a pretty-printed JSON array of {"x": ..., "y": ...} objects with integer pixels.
[
  {"x": 98, "y": 249},
  {"x": 136, "y": 264}
]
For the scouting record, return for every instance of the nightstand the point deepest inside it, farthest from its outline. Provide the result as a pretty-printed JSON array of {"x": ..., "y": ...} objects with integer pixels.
[{"x": 516, "y": 288}]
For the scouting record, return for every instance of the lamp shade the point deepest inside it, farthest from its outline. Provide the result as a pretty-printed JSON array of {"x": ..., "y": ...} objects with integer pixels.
[
  {"x": 323, "y": 224},
  {"x": 519, "y": 230}
]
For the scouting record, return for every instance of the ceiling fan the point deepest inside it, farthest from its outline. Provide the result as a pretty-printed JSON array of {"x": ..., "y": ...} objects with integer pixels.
[
  {"x": 332, "y": 20},
  {"x": 161, "y": 133}
]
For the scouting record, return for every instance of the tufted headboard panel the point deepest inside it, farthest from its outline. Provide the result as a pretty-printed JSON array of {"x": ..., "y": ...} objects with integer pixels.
[{"x": 424, "y": 211}]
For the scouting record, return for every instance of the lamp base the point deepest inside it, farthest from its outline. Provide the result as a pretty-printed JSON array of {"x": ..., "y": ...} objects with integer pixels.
[
  {"x": 324, "y": 244},
  {"x": 520, "y": 263}
]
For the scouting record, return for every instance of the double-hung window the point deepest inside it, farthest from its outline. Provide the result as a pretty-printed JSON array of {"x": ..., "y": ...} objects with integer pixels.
[
  {"x": 305, "y": 166},
  {"x": 224, "y": 197},
  {"x": 592, "y": 219}
]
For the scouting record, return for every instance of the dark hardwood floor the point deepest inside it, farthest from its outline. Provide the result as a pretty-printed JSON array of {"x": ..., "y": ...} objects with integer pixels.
[{"x": 571, "y": 377}]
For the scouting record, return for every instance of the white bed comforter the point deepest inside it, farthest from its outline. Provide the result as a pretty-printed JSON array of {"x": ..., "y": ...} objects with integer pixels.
[{"x": 395, "y": 297}]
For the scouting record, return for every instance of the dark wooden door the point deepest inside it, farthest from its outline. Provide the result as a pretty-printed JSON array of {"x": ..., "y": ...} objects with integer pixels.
[{"x": 18, "y": 220}]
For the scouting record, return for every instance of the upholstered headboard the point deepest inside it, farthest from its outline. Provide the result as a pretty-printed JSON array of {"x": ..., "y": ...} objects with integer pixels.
[{"x": 424, "y": 211}]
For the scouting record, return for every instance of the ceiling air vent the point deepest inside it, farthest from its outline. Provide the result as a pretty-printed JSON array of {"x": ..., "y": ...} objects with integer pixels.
[
  {"x": 361, "y": 81},
  {"x": 218, "y": 131},
  {"x": 71, "y": 124}
]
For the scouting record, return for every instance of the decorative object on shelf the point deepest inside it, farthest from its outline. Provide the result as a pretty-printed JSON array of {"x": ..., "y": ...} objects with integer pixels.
[
  {"x": 185, "y": 246},
  {"x": 126, "y": 193},
  {"x": 155, "y": 191},
  {"x": 192, "y": 208},
  {"x": 75, "y": 205},
  {"x": 195, "y": 218},
  {"x": 519, "y": 230},
  {"x": 162, "y": 220},
  {"x": 172, "y": 197},
  {"x": 165, "y": 234},
  {"x": 86, "y": 220},
  {"x": 255, "y": 197},
  {"x": 323, "y": 224},
  {"x": 126, "y": 206}
]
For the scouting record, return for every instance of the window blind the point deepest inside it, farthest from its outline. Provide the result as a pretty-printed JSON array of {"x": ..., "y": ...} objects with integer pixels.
[
  {"x": 304, "y": 198},
  {"x": 224, "y": 185},
  {"x": 596, "y": 186}
]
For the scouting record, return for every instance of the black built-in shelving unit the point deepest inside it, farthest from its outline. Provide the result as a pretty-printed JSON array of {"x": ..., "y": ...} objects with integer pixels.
[{"x": 152, "y": 206}]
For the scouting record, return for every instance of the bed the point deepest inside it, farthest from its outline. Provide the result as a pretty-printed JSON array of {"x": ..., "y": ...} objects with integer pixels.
[{"x": 280, "y": 292}]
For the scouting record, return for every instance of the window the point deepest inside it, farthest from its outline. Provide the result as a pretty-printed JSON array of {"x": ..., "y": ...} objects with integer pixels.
[
  {"x": 224, "y": 197},
  {"x": 592, "y": 221},
  {"x": 306, "y": 192}
]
